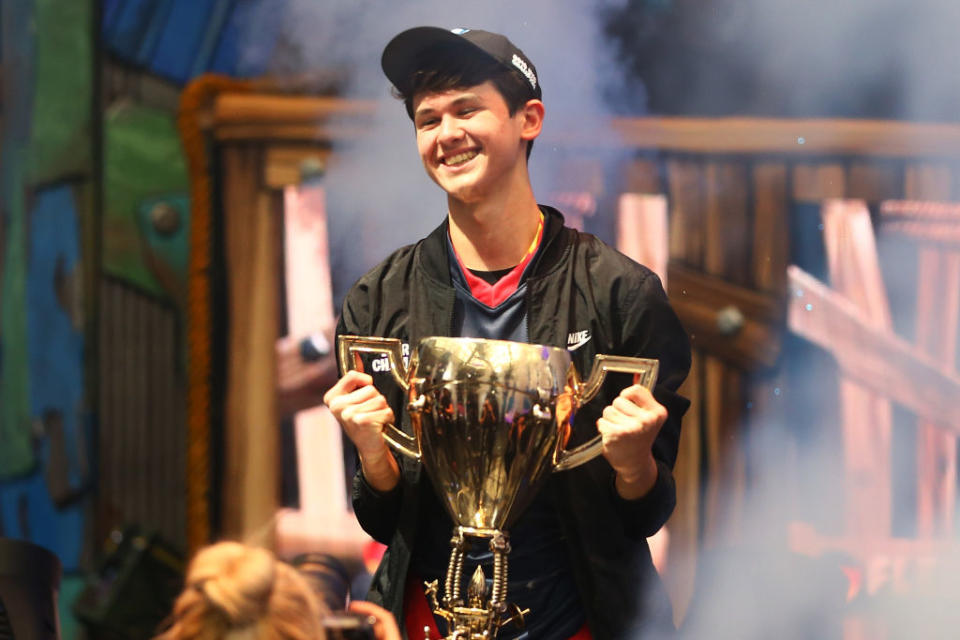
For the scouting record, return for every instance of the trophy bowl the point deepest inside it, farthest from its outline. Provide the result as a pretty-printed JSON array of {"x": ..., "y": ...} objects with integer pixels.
[{"x": 491, "y": 419}]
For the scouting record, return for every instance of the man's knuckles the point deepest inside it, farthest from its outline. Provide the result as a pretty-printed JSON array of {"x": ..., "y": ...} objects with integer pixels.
[
  {"x": 612, "y": 413},
  {"x": 367, "y": 414},
  {"x": 627, "y": 406},
  {"x": 638, "y": 394}
]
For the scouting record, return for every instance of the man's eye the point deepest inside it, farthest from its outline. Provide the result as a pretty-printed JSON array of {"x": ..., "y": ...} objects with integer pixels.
[{"x": 425, "y": 124}]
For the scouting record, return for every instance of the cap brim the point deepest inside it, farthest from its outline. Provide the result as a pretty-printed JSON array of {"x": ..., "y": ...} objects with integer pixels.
[{"x": 404, "y": 54}]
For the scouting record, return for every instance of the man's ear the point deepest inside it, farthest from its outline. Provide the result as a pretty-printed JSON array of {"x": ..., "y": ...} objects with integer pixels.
[{"x": 532, "y": 113}]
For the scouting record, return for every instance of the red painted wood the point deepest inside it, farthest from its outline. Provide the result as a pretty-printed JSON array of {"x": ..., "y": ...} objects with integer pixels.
[
  {"x": 879, "y": 360},
  {"x": 642, "y": 231},
  {"x": 866, "y": 416}
]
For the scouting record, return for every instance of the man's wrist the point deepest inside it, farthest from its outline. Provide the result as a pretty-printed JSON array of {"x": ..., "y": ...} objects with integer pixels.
[
  {"x": 380, "y": 469},
  {"x": 636, "y": 483}
]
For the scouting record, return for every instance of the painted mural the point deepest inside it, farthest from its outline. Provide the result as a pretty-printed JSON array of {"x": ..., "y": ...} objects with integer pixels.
[{"x": 94, "y": 191}]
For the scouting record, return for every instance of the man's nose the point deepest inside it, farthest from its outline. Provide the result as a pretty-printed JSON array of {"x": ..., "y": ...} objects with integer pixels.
[{"x": 450, "y": 128}]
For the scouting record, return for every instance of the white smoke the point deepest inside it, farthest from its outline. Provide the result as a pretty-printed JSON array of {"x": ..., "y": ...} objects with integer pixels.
[{"x": 379, "y": 195}]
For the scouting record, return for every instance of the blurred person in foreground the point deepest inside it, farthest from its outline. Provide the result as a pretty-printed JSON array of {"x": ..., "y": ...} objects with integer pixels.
[
  {"x": 501, "y": 266},
  {"x": 237, "y": 592}
]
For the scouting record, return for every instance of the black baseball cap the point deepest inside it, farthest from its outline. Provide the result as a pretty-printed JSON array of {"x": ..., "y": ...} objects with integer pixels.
[{"x": 411, "y": 50}]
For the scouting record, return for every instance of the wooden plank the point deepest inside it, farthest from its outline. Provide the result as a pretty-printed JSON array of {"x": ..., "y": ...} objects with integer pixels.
[
  {"x": 248, "y": 108},
  {"x": 700, "y": 299},
  {"x": 726, "y": 256},
  {"x": 764, "y": 416},
  {"x": 287, "y": 132},
  {"x": 288, "y": 164},
  {"x": 642, "y": 231},
  {"x": 874, "y": 182},
  {"x": 937, "y": 315},
  {"x": 726, "y": 247},
  {"x": 818, "y": 182},
  {"x": 803, "y": 137},
  {"x": 866, "y": 420},
  {"x": 725, "y": 492},
  {"x": 853, "y": 260},
  {"x": 642, "y": 176},
  {"x": 866, "y": 417},
  {"x": 687, "y": 210},
  {"x": 324, "y": 523},
  {"x": 797, "y": 137},
  {"x": 771, "y": 242},
  {"x": 142, "y": 443},
  {"x": 936, "y": 224},
  {"x": 927, "y": 181},
  {"x": 921, "y": 211},
  {"x": 936, "y": 324},
  {"x": 876, "y": 358},
  {"x": 684, "y": 524},
  {"x": 946, "y": 237},
  {"x": 251, "y": 441},
  {"x": 804, "y": 539}
]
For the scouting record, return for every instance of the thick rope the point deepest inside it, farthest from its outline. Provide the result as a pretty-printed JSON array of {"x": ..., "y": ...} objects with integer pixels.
[{"x": 195, "y": 102}]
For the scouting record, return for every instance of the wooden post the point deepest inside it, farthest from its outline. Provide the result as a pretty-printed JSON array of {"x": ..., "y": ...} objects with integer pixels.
[
  {"x": 938, "y": 315},
  {"x": 866, "y": 417},
  {"x": 251, "y": 457},
  {"x": 323, "y": 523}
]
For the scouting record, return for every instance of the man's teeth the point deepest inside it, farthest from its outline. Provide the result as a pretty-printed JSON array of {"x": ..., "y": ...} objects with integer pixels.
[{"x": 460, "y": 158}]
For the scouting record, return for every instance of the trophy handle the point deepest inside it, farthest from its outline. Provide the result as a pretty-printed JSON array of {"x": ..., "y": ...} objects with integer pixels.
[
  {"x": 349, "y": 349},
  {"x": 644, "y": 372}
]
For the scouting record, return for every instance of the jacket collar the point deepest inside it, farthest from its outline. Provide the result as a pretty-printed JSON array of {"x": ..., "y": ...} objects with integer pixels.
[{"x": 434, "y": 258}]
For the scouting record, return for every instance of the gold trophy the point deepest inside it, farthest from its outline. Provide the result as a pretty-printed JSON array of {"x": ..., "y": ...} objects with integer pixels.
[{"x": 491, "y": 419}]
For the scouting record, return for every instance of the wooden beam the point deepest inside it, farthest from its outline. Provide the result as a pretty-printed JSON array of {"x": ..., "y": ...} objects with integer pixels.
[
  {"x": 687, "y": 209},
  {"x": 927, "y": 181},
  {"x": 245, "y": 108},
  {"x": 866, "y": 417},
  {"x": 727, "y": 246},
  {"x": 286, "y": 165},
  {"x": 790, "y": 137},
  {"x": 805, "y": 540},
  {"x": 803, "y": 137},
  {"x": 685, "y": 523},
  {"x": 642, "y": 231},
  {"x": 771, "y": 237},
  {"x": 876, "y": 358},
  {"x": 642, "y": 176},
  {"x": 323, "y": 132},
  {"x": 933, "y": 223},
  {"x": 699, "y": 300},
  {"x": 937, "y": 308},
  {"x": 873, "y": 181},
  {"x": 240, "y": 117},
  {"x": 818, "y": 182},
  {"x": 251, "y": 480}
]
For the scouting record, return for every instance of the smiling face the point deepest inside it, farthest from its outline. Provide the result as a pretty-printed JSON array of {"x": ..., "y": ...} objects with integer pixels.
[{"x": 469, "y": 143}]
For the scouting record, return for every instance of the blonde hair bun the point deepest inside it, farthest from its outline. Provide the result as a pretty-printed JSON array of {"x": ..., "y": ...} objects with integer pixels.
[
  {"x": 236, "y": 579},
  {"x": 237, "y": 592}
]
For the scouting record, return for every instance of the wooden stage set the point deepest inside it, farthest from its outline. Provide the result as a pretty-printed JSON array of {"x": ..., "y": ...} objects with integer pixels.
[{"x": 771, "y": 237}]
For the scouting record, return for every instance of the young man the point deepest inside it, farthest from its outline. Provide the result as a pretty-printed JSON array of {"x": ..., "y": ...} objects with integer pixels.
[{"x": 501, "y": 266}]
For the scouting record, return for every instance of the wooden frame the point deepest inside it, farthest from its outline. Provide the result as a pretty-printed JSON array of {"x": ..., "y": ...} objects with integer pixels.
[{"x": 265, "y": 135}]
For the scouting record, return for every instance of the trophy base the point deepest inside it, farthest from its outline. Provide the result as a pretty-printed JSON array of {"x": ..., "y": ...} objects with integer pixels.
[{"x": 485, "y": 611}]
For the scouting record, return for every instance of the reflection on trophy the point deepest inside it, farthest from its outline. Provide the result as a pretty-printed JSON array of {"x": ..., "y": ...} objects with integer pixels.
[{"x": 491, "y": 419}]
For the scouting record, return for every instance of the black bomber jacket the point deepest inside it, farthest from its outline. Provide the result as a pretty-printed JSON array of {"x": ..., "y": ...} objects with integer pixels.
[{"x": 583, "y": 294}]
